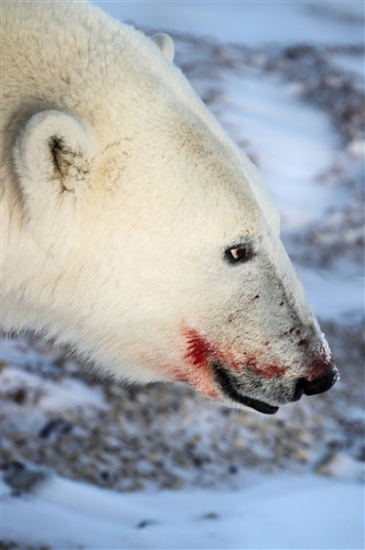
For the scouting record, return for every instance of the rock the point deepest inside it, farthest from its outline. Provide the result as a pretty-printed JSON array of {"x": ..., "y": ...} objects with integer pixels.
[{"x": 341, "y": 466}]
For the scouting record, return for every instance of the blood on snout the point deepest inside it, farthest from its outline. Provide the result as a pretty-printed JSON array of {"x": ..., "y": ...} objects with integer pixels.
[
  {"x": 321, "y": 365},
  {"x": 198, "y": 348},
  {"x": 267, "y": 371},
  {"x": 200, "y": 352},
  {"x": 198, "y": 373}
]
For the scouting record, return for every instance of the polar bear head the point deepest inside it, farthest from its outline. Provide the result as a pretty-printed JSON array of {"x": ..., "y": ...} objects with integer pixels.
[{"x": 143, "y": 236}]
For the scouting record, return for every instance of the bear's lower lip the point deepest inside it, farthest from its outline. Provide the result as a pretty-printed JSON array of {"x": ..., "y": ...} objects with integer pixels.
[{"x": 227, "y": 385}]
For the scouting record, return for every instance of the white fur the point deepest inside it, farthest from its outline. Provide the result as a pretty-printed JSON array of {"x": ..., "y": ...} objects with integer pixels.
[
  {"x": 120, "y": 194},
  {"x": 166, "y": 44}
]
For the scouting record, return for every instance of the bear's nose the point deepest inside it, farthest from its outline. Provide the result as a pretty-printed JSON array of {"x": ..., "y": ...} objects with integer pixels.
[{"x": 312, "y": 387}]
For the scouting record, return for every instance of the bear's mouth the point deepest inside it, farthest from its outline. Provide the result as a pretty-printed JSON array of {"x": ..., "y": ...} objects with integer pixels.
[{"x": 228, "y": 384}]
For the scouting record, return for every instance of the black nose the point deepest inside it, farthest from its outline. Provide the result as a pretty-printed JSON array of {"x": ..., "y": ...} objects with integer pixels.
[{"x": 315, "y": 386}]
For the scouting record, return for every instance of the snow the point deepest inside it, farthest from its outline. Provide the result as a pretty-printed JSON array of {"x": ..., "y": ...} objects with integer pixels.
[
  {"x": 52, "y": 395},
  {"x": 294, "y": 141},
  {"x": 333, "y": 297},
  {"x": 284, "y": 512},
  {"x": 353, "y": 63},
  {"x": 249, "y": 22}
]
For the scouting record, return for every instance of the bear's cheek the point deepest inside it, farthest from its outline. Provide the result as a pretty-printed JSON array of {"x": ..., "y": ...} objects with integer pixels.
[
  {"x": 200, "y": 352},
  {"x": 196, "y": 366},
  {"x": 200, "y": 379}
]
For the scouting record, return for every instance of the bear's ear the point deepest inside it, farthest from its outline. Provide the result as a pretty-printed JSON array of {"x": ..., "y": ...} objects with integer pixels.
[
  {"x": 53, "y": 154},
  {"x": 166, "y": 44}
]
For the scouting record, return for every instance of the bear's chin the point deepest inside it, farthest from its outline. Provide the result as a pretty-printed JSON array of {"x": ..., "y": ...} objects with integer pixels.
[{"x": 227, "y": 385}]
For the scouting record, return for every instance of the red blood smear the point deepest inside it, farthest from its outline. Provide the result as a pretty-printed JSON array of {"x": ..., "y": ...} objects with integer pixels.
[
  {"x": 198, "y": 348},
  {"x": 271, "y": 371},
  {"x": 199, "y": 351},
  {"x": 320, "y": 366},
  {"x": 267, "y": 371}
]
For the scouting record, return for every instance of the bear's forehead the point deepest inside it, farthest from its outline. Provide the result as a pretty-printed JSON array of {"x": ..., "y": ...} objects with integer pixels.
[
  {"x": 160, "y": 130},
  {"x": 195, "y": 176},
  {"x": 182, "y": 140}
]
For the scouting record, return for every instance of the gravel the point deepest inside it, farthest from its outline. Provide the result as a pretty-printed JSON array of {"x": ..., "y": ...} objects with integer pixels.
[{"x": 166, "y": 436}]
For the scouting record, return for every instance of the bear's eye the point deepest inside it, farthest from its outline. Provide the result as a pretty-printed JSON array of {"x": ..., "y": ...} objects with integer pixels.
[{"x": 239, "y": 254}]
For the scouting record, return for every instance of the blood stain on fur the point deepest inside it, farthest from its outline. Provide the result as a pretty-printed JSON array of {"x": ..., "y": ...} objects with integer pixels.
[
  {"x": 321, "y": 365},
  {"x": 200, "y": 352},
  {"x": 266, "y": 371},
  {"x": 198, "y": 348}
]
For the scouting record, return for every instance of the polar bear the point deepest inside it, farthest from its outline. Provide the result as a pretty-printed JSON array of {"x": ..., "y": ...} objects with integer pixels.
[{"x": 133, "y": 228}]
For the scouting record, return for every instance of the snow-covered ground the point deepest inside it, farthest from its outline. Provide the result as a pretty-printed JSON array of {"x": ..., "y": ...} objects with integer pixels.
[
  {"x": 294, "y": 481},
  {"x": 279, "y": 513},
  {"x": 250, "y": 21}
]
